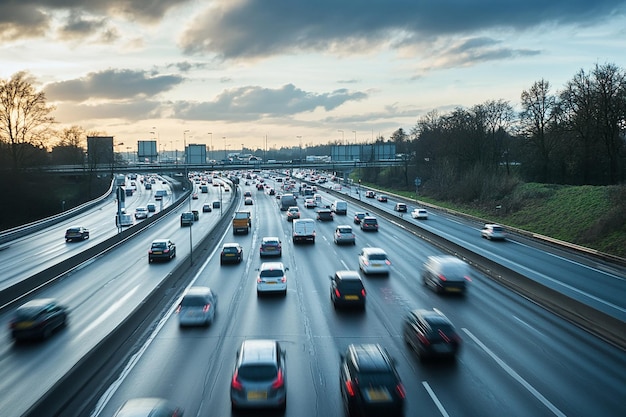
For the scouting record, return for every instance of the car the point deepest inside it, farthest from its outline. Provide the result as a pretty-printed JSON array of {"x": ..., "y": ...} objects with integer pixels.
[
  {"x": 271, "y": 246},
  {"x": 148, "y": 186},
  {"x": 247, "y": 194},
  {"x": 151, "y": 207},
  {"x": 358, "y": 216},
  {"x": 324, "y": 215},
  {"x": 272, "y": 278},
  {"x": 259, "y": 378},
  {"x": 161, "y": 249},
  {"x": 186, "y": 218},
  {"x": 293, "y": 212},
  {"x": 446, "y": 273},
  {"x": 310, "y": 203},
  {"x": 344, "y": 234},
  {"x": 369, "y": 223},
  {"x": 493, "y": 232},
  {"x": 231, "y": 253},
  {"x": 370, "y": 194},
  {"x": 374, "y": 261},
  {"x": 419, "y": 213},
  {"x": 37, "y": 319},
  {"x": 206, "y": 208},
  {"x": 430, "y": 334},
  {"x": 148, "y": 407},
  {"x": 248, "y": 201},
  {"x": 226, "y": 189},
  {"x": 382, "y": 198},
  {"x": 400, "y": 208},
  {"x": 76, "y": 233},
  {"x": 141, "y": 213},
  {"x": 369, "y": 382},
  {"x": 196, "y": 215},
  {"x": 197, "y": 307},
  {"x": 216, "y": 204},
  {"x": 272, "y": 192},
  {"x": 347, "y": 290},
  {"x": 194, "y": 196}
]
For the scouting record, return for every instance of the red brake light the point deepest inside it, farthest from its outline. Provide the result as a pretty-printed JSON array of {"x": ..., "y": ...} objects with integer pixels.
[
  {"x": 400, "y": 390},
  {"x": 363, "y": 292},
  {"x": 235, "y": 384},
  {"x": 468, "y": 278},
  {"x": 387, "y": 261},
  {"x": 279, "y": 382},
  {"x": 206, "y": 308},
  {"x": 423, "y": 339},
  {"x": 178, "y": 308},
  {"x": 444, "y": 336},
  {"x": 337, "y": 293},
  {"x": 442, "y": 277},
  {"x": 350, "y": 388}
]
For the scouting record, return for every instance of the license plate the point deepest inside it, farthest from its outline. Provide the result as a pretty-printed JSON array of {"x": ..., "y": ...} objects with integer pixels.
[
  {"x": 378, "y": 394},
  {"x": 157, "y": 253},
  {"x": 229, "y": 255},
  {"x": 24, "y": 325},
  {"x": 257, "y": 395},
  {"x": 270, "y": 282},
  {"x": 453, "y": 289},
  {"x": 351, "y": 297}
]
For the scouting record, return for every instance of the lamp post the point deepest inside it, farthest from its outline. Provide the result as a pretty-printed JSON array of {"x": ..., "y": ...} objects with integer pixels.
[
  {"x": 300, "y": 140},
  {"x": 211, "y": 148},
  {"x": 225, "y": 158},
  {"x": 156, "y": 132},
  {"x": 185, "y": 146}
]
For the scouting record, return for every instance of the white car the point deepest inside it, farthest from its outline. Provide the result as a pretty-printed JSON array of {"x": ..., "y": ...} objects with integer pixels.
[
  {"x": 374, "y": 261},
  {"x": 310, "y": 203},
  {"x": 493, "y": 232},
  {"x": 419, "y": 213},
  {"x": 272, "y": 278},
  {"x": 197, "y": 308},
  {"x": 141, "y": 213}
]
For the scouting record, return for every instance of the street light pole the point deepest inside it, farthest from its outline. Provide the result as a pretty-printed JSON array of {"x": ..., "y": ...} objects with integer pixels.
[
  {"x": 225, "y": 157},
  {"x": 211, "y": 148},
  {"x": 185, "y": 146},
  {"x": 300, "y": 140}
]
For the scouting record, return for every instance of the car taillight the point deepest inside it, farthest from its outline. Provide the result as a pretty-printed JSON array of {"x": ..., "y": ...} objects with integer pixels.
[
  {"x": 387, "y": 261},
  {"x": 235, "y": 384},
  {"x": 423, "y": 339},
  {"x": 401, "y": 391},
  {"x": 444, "y": 336},
  {"x": 166, "y": 250},
  {"x": 350, "y": 388},
  {"x": 363, "y": 292},
  {"x": 206, "y": 308},
  {"x": 442, "y": 277},
  {"x": 150, "y": 251},
  {"x": 178, "y": 308},
  {"x": 283, "y": 279},
  {"x": 337, "y": 293},
  {"x": 280, "y": 381},
  {"x": 367, "y": 263},
  {"x": 468, "y": 278},
  {"x": 259, "y": 280}
]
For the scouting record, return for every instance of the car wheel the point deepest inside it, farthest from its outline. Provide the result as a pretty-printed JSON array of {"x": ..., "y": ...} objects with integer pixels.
[{"x": 149, "y": 260}]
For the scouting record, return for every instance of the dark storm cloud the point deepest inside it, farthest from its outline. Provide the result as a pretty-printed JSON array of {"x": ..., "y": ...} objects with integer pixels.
[
  {"x": 112, "y": 84},
  {"x": 261, "y": 28},
  {"x": 251, "y": 103},
  {"x": 79, "y": 26},
  {"x": 31, "y": 18}
]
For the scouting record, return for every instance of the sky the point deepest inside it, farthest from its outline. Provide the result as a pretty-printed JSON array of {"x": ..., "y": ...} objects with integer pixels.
[{"x": 264, "y": 74}]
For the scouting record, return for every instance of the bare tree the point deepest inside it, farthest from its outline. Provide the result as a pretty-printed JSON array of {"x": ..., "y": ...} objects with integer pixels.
[{"x": 24, "y": 116}]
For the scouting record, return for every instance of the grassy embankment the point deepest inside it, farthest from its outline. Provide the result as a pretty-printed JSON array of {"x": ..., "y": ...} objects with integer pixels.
[{"x": 590, "y": 216}]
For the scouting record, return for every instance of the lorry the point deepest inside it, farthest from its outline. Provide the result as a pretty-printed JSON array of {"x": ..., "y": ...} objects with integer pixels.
[
  {"x": 303, "y": 230},
  {"x": 241, "y": 222}
]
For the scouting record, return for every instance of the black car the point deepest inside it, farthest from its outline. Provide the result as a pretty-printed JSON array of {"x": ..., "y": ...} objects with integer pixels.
[
  {"x": 324, "y": 215},
  {"x": 37, "y": 319},
  {"x": 346, "y": 289},
  {"x": 358, "y": 217},
  {"x": 76, "y": 233},
  {"x": 162, "y": 249},
  {"x": 231, "y": 253},
  {"x": 431, "y": 334},
  {"x": 369, "y": 223},
  {"x": 370, "y": 384},
  {"x": 216, "y": 204},
  {"x": 382, "y": 198},
  {"x": 206, "y": 208}
]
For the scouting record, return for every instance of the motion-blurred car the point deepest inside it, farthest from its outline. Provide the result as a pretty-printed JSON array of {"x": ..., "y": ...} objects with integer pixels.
[
  {"x": 76, "y": 233},
  {"x": 206, "y": 208},
  {"x": 141, "y": 213},
  {"x": 272, "y": 278},
  {"x": 382, "y": 198},
  {"x": 324, "y": 215},
  {"x": 344, "y": 234},
  {"x": 446, "y": 273},
  {"x": 358, "y": 216},
  {"x": 374, "y": 261},
  {"x": 148, "y": 407},
  {"x": 37, "y": 319},
  {"x": 493, "y": 232},
  {"x": 259, "y": 378},
  {"x": 293, "y": 212},
  {"x": 400, "y": 208},
  {"x": 370, "y": 384},
  {"x": 369, "y": 223},
  {"x": 431, "y": 334},
  {"x": 161, "y": 249},
  {"x": 419, "y": 213},
  {"x": 271, "y": 246},
  {"x": 347, "y": 290},
  {"x": 248, "y": 201},
  {"x": 197, "y": 307},
  {"x": 231, "y": 253}
]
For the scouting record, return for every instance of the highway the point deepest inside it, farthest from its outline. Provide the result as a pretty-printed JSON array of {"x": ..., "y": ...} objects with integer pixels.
[{"x": 517, "y": 359}]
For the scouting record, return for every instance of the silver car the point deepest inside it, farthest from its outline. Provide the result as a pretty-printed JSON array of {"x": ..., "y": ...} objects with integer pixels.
[
  {"x": 344, "y": 234},
  {"x": 197, "y": 308},
  {"x": 259, "y": 378}
]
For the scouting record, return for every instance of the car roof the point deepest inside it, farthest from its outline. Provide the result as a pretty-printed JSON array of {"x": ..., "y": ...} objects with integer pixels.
[
  {"x": 231, "y": 245},
  {"x": 37, "y": 303},
  {"x": 370, "y": 357},
  {"x": 270, "y": 239},
  {"x": 271, "y": 265},
  {"x": 198, "y": 290},
  {"x": 258, "y": 351},
  {"x": 373, "y": 250},
  {"x": 348, "y": 275},
  {"x": 160, "y": 241}
]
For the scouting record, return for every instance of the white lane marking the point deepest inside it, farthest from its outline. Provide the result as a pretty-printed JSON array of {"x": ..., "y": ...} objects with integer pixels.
[
  {"x": 516, "y": 376},
  {"x": 102, "y": 317},
  {"x": 435, "y": 399}
]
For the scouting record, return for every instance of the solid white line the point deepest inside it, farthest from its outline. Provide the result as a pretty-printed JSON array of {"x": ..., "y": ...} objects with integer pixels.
[
  {"x": 435, "y": 399},
  {"x": 516, "y": 376}
]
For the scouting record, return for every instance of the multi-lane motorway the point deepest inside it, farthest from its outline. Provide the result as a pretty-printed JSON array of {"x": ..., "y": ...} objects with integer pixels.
[{"x": 517, "y": 359}]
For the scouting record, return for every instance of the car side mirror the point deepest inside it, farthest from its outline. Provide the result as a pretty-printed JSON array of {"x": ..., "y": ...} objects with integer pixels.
[{"x": 287, "y": 269}]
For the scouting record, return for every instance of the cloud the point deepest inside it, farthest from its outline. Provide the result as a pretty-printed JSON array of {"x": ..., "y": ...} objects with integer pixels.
[
  {"x": 113, "y": 85},
  {"x": 136, "y": 110},
  {"x": 252, "y": 102},
  {"x": 253, "y": 29}
]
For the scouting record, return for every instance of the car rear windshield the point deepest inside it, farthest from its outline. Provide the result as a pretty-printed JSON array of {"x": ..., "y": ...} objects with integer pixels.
[
  {"x": 230, "y": 249},
  {"x": 159, "y": 245},
  {"x": 263, "y": 372},
  {"x": 377, "y": 378},
  {"x": 193, "y": 301},
  {"x": 370, "y": 221},
  {"x": 453, "y": 271},
  {"x": 353, "y": 285},
  {"x": 438, "y": 330},
  {"x": 497, "y": 229},
  {"x": 270, "y": 243},
  {"x": 272, "y": 273},
  {"x": 344, "y": 230},
  {"x": 378, "y": 257}
]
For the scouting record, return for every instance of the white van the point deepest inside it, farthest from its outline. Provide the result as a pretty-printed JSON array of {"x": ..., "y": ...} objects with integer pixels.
[
  {"x": 339, "y": 207},
  {"x": 303, "y": 230}
]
